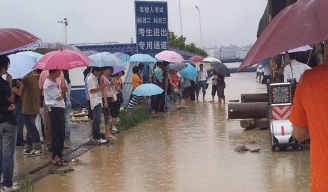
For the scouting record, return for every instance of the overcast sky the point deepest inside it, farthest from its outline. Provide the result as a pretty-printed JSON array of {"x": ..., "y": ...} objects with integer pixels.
[{"x": 224, "y": 22}]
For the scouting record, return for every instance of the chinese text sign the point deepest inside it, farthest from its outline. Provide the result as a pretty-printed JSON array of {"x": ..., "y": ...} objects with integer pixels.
[{"x": 151, "y": 26}]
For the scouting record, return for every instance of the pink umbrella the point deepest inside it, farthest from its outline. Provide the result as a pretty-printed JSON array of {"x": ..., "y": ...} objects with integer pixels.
[
  {"x": 169, "y": 56},
  {"x": 13, "y": 40},
  {"x": 302, "y": 23},
  {"x": 62, "y": 59},
  {"x": 196, "y": 59}
]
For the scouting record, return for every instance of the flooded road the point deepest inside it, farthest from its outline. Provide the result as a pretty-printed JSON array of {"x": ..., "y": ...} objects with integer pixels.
[{"x": 188, "y": 150}]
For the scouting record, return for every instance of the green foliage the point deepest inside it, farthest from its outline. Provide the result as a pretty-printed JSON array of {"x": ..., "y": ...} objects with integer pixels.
[
  {"x": 28, "y": 184},
  {"x": 180, "y": 43},
  {"x": 131, "y": 118}
]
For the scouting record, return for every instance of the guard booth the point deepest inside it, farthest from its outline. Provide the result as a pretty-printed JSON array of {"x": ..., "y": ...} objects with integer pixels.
[{"x": 281, "y": 130}]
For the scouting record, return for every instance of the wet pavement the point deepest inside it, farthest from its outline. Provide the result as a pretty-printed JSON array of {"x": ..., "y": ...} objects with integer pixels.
[{"x": 188, "y": 150}]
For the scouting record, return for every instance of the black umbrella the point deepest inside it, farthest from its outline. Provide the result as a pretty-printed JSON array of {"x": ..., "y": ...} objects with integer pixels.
[
  {"x": 221, "y": 68},
  {"x": 178, "y": 66}
]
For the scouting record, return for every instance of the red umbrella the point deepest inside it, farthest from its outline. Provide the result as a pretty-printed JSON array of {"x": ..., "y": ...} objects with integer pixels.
[
  {"x": 13, "y": 40},
  {"x": 302, "y": 23},
  {"x": 63, "y": 59},
  {"x": 196, "y": 59}
]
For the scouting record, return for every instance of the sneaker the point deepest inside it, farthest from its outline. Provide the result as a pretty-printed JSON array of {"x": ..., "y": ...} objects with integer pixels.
[
  {"x": 102, "y": 141},
  {"x": 114, "y": 129},
  {"x": 35, "y": 152},
  {"x": 26, "y": 152},
  {"x": 13, "y": 188}
]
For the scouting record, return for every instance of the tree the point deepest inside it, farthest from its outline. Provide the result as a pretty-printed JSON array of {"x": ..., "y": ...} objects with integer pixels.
[{"x": 180, "y": 43}]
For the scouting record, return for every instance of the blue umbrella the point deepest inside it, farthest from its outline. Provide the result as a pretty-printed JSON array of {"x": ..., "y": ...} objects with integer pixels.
[
  {"x": 20, "y": 65},
  {"x": 142, "y": 58},
  {"x": 123, "y": 56},
  {"x": 105, "y": 59},
  {"x": 189, "y": 72},
  {"x": 147, "y": 89},
  {"x": 159, "y": 74},
  {"x": 36, "y": 55}
]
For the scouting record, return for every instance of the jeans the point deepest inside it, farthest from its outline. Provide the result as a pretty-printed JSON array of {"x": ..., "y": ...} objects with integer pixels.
[
  {"x": 201, "y": 84},
  {"x": 19, "y": 120},
  {"x": 57, "y": 125},
  {"x": 46, "y": 124},
  {"x": 68, "y": 108},
  {"x": 32, "y": 135},
  {"x": 8, "y": 140},
  {"x": 96, "y": 122}
]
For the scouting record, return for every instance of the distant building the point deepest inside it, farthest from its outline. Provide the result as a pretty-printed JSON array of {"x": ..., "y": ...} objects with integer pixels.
[{"x": 228, "y": 52}]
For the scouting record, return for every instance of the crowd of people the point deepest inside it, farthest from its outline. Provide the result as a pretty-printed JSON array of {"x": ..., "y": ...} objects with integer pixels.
[
  {"x": 40, "y": 102},
  {"x": 44, "y": 94}
]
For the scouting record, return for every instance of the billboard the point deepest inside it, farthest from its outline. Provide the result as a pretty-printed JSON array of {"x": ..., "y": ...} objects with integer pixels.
[{"x": 151, "y": 26}]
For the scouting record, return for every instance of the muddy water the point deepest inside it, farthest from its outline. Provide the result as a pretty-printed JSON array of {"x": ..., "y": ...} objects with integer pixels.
[{"x": 188, "y": 150}]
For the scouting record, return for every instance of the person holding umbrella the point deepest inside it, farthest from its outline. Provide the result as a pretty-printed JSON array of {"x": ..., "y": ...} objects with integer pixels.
[
  {"x": 96, "y": 103},
  {"x": 54, "y": 100},
  {"x": 109, "y": 106},
  {"x": 29, "y": 91},
  {"x": 220, "y": 87},
  {"x": 8, "y": 128}
]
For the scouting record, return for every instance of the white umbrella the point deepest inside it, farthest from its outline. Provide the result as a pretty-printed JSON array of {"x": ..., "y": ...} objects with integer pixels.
[
  {"x": 299, "y": 49},
  {"x": 20, "y": 65},
  {"x": 211, "y": 59}
]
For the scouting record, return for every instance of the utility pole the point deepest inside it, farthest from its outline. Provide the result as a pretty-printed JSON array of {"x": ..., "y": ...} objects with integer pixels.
[
  {"x": 200, "y": 28},
  {"x": 180, "y": 19},
  {"x": 65, "y": 22}
]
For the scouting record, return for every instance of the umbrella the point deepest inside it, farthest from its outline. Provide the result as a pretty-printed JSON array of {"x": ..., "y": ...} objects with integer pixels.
[
  {"x": 142, "y": 58},
  {"x": 190, "y": 62},
  {"x": 159, "y": 74},
  {"x": 169, "y": 56},
  {"x": 211, "y": 59},
  {"x": 147, "y": 89},
  {"x": 37, "y": 56},
  {"x": 299, "y": 49},
  {"x": 178, "y": 66},
  {"x": 221, "y": 68},
  {"x": 189, "y": 72},
  {"x": 196, "y": 58},
  {"x": 105, "y": 59},
  {"x": 88, "y": 53},
  {"x": 118, "y": 69},
  {"x": 302, "y": 23},
  {"x": 62, "y": 59},
  {"x": 13, "y": 40},
  {"x": 20, "y": 65},
  {"x": 47, "y": 47},
  {"x": 123, "y": 56}
]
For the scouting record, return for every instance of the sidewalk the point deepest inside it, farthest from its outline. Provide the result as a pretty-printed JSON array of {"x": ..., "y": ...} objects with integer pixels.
[{"x": 39, "y": 166}]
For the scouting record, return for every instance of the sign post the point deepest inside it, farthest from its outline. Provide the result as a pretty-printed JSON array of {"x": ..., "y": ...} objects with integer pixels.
[{"x": 151, "y": 19}]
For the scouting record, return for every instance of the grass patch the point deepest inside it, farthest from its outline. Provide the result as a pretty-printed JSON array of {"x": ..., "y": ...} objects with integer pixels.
[
  {"x": 28, "y": 184},
  {"x": 131, "y": 118}
]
